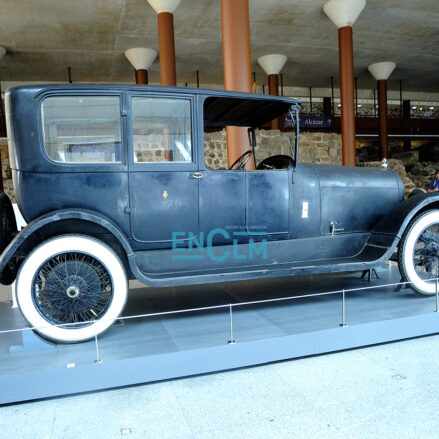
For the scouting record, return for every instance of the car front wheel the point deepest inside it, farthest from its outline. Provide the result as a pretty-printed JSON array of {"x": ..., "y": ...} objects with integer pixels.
[
  {"x": 71, "y": 288},
  {"x": 418, "y": 256}
]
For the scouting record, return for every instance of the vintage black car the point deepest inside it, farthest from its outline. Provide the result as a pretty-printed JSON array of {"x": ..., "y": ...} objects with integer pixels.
[{"x": 113, "y": 183}]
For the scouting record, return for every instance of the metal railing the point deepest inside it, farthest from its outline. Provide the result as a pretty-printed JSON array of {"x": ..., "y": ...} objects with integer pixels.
[{"x": 231, "y": 306}]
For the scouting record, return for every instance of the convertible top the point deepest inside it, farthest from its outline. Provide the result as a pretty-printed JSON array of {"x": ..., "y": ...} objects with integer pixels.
[
  {"x": 24, "y": 105},
  {"x": 240, "y": 111},
  {"x": 221, "y": 107}
]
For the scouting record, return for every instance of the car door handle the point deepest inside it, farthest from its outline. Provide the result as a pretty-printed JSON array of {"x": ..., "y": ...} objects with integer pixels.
[{"x": 197, "y": 175}]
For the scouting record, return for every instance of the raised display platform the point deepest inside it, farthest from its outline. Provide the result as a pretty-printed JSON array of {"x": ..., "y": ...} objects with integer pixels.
[{"x": 177, "y": 345}]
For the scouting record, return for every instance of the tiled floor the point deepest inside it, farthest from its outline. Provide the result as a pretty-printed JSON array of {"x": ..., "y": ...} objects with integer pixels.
[
  {"x": 386, "y": 391},
  {"x": 188, "y": 331}
]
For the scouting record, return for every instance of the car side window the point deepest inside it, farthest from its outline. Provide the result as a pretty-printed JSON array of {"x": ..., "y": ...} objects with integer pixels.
[
  {"x": 82, "y": 129},
  {"x": 161, "y": 130}
]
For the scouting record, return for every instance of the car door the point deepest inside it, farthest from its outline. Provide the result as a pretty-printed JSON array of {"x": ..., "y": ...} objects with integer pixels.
[
  {"x": 268, "y": 202},
  {"x": 222, "y": 206},
  {"x": 163, "y": 183},
  {"x": 305, "y": 202}
]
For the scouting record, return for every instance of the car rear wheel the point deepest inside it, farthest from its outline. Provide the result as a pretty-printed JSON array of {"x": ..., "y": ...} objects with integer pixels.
[
  {"x": 418, "y": 256},
  {"x": 8, "y": 225},
  {"x": 8, "y": 229},
  {"x": 71, "y": 288}
]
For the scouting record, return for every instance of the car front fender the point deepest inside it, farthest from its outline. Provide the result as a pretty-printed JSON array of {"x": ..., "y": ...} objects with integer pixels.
[
  {"x": 52, "y": 217},
  {"x": 397, "y": 220}
]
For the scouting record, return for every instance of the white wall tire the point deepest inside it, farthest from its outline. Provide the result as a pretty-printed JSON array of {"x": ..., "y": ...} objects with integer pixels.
[
  {"x": 43, "y": 314},
  {"x": 411, "y": 241}
]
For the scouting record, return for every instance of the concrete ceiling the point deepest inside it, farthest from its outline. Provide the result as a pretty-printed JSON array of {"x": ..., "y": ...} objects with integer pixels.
[{"x": 44, "y": 37}]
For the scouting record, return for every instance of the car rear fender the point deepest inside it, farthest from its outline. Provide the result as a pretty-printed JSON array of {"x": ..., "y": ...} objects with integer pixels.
[{"x": 30, "y": 236}]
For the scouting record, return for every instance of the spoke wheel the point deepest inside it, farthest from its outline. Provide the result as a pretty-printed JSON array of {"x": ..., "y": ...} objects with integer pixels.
[
  {"x": 419, "y": 252},
  {"x": 426, "y": 252},
  {"x": 71, "y": 288}
]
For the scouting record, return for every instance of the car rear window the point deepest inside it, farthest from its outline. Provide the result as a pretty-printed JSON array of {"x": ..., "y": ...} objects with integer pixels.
[
  {"x": 162, "y": 130},
  {"x": 82, "y": 129}
]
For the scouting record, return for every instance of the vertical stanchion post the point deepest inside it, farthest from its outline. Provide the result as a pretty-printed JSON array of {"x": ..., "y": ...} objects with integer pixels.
[
  {"x": 343, "y": 317},
  {"x": 231, "y": 341},
  {"x": 437, "y": 297},
  {"x": 98, "y": 358}
]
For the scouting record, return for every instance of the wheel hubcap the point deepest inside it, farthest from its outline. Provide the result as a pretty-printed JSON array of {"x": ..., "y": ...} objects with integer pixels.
[
  {"x": 72, "y": 292},
  {"x": 72, "y": 288},
  {"x": 426, "y": 253}
]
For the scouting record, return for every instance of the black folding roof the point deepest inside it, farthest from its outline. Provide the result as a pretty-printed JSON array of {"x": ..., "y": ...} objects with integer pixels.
[
  {"x": 220, "y": 107},
  {"x": 240, "y": 111}
]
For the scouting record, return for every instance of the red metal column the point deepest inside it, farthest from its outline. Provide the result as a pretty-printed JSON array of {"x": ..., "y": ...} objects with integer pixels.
[
  {"x": 382, "y": 114},
  {"x": 141, "y": 76},
  {"x": 381, "y": 72},
  {"x": 347, "y": 95},
  {"x": 168, "y": 74},
  {"x": 235, "y": 24},
  {"x": 3, "y": 133},
  {"x": 273, "y": 89}
]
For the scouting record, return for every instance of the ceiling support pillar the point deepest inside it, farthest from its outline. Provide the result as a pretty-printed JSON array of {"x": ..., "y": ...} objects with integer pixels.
[
  {"x": 3, "y": 123},
  {"x": 168, "y": 74},
  {"x": 381, "y": 72},
  {"x": 346, "y": 61},
  {"x": 382, "y": 115},
  {"x": 273, "y": 89},
  {"x": 165, "y": 19},
  {"x": 272, "y": 65},
  {"x": 142, "y": 76},
  {"x": 235, "y": 25},
  {"x": 343, "y": 13}
]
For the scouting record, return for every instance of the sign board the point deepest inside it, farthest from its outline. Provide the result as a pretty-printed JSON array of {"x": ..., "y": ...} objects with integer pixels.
[{"x": 310, "y": 122}]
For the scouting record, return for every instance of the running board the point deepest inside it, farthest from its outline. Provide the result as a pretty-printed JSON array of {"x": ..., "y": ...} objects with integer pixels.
[{"x": 370, "y": 256}]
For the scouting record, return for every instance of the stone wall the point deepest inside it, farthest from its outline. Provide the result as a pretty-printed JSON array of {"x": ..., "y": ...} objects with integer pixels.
[
  {"x": 326, "y": 148},
  {"x": 423, "y": 172},
  {"x": 148, "y": 148},
  {"x": 6, "y": 172},
  {"x": 416, "y": 161},
  {"x": 313, "y": 147},
  {"x": 368, "y": 149}
]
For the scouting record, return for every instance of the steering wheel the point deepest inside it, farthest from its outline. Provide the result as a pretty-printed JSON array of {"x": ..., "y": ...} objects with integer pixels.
[
  {"x": 242, "y": 160},
  {"x": 276, "y": 162}
]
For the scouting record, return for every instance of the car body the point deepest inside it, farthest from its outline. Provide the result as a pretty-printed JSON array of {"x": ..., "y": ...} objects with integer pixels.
[{"x": 84, "y": 165}]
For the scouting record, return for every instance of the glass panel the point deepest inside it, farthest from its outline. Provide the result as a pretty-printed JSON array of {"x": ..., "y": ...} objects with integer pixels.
[
  {"x": 82, "y": 129},
  {"x": 162, "y": 130}
]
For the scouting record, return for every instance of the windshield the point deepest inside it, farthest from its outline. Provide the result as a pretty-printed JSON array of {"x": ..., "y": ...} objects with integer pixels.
[
  {"x": 268, "y": 143},
  {"x": 262, "y": 140}
]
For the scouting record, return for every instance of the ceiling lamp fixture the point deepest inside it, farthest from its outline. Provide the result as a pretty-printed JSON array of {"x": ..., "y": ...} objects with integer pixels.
[
  {"x": 344, "y": 12},
  {"x": 272, "y": 64},
  {"x": 141, "y": 59},
  {"x": 381, "y": 70}
]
